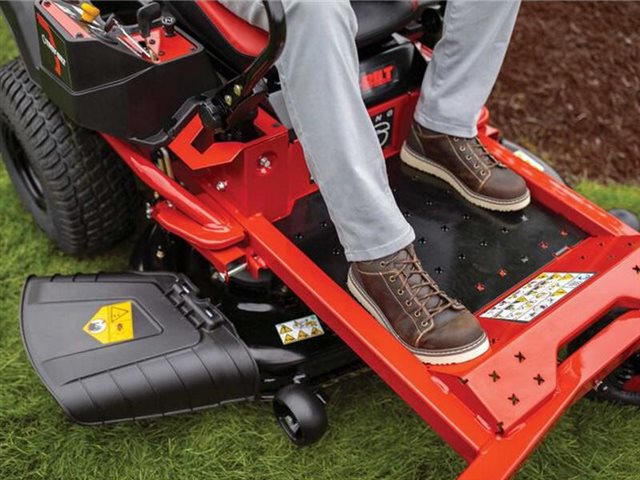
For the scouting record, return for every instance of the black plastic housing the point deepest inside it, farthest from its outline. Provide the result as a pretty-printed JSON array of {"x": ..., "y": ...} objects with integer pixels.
[
  {"x": 107, "y": 88},
  {"x": 184, "y": 355}
]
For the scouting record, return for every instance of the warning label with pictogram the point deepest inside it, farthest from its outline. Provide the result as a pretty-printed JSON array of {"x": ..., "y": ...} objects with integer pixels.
[
  {"x": 299, "y": 329},
  {"x": 536, "y": 296},
  {"x": 111, "y": 323}
]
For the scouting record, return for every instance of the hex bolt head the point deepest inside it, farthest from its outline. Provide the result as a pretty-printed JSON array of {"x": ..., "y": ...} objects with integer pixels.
[
  {"x": 264, "y": 162},
  {"x": 221, "y": 186}
]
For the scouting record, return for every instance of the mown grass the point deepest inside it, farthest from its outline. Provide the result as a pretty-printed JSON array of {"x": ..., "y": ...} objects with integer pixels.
[{"x": 373, "y": 434}]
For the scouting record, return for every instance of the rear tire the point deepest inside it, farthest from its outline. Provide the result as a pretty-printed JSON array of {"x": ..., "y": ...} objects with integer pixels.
[{"x": 77, "y": 189}]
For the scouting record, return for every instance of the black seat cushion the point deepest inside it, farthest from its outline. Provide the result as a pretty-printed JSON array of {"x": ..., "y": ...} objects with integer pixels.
[{"x": 376, "y": 21}]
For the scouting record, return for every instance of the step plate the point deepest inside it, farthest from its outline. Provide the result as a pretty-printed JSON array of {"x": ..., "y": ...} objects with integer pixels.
[{"x": 474, "y": 254}]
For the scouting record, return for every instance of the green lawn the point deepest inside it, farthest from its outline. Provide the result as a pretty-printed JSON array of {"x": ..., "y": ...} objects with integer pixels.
[{"x": 373, "y": 434}]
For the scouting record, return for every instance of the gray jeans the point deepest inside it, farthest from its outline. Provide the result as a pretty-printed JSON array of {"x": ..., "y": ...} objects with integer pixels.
[{"x": 319, "y": 73}]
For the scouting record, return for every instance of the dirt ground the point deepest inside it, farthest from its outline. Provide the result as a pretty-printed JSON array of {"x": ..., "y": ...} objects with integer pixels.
[{"x": 570, "y": 87}]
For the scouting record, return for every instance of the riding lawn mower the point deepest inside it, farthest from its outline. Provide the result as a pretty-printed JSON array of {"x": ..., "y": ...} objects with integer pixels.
[{"x": 236, "y": 289}]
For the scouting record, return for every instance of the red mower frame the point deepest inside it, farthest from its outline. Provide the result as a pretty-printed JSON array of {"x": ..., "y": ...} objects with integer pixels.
[{"x": 494, "y": 410}]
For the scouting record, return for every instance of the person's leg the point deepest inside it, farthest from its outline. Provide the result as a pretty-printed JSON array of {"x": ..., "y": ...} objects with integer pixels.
[
  {"x": 465, "y": 65},
  {"x": 319, "y": 72},
  {"x": 464, "y": 68}
]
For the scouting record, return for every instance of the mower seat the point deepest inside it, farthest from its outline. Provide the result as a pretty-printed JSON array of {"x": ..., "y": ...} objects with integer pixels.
[{"x": 236, "y": 42}]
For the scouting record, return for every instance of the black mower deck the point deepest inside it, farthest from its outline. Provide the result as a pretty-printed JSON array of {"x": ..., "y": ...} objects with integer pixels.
[{"x": 474, "y": 254}]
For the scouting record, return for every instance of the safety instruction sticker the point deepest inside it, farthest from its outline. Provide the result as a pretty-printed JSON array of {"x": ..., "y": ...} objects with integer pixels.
[
  {"x": 111, "y": 323},
  {"x": 536, "y": 296},
  {"x": 300, "y": 329}
]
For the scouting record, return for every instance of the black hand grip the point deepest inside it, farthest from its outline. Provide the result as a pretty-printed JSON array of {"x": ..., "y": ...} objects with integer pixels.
[{"x": 145, "y": 17}]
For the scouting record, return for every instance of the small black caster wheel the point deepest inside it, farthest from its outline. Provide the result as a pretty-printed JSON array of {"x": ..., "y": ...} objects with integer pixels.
[
  {"x": 627, "y": 217},
  {"x": 300, "y": 413}
]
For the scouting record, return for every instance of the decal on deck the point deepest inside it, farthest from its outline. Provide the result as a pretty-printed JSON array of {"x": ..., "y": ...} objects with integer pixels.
[
  {"x": 111, "y": 323},
  {"x": 300, "y": 329},
  {"x": 536, "y": 296}
]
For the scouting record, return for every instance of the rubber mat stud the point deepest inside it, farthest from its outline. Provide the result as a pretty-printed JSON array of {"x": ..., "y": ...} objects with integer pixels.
[
  {"x": 406, "y": 213},
  {"x": 521, "y": 358},
  {"x": 480, "y": 287},
  {"x": 504, "y": 230},
  {"x": 298, "y": 236},
  {"x": 439, "y": 270},
  {"x": 538, "y": 378},
  {"x": 484, "y": 243},
  {"x": 336, "y": 251},
  {"x": 466, "y": 216},
  {"x": 502, "y": 272},
  {"x": 494, "y": 376},
  {"x": 524, "y": 259},
  {"x": 429, "y": 203},
  {"x": 524, "y": 218},
  {"x": 462, "y": 257},
  {"x": 324, "y": 224},
  {"x": 564, "y": 232},
  {"x": 514, "y": 399},
  {"x": 422, "y": 241},
  {"x": 444, "y": 228},
  {"x": 543, "y": 245}
]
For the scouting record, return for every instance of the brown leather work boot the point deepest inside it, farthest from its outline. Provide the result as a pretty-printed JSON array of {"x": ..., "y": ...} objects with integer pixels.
[
  {"x": 405, "y": 299},
  {"x": 468, "y": 167}
]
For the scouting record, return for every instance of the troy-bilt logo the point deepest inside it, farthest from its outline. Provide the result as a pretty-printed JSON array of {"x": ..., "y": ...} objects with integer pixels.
[
  {"x": 53, "y": 50},
  {"x": 378, "y": 78},
  {"x": 49, "y": 42}
]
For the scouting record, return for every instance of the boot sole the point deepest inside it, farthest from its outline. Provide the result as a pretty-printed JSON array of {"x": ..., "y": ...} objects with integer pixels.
[
  {"x": 440, "y": 357},
  {"x": 427, "y": 166}
]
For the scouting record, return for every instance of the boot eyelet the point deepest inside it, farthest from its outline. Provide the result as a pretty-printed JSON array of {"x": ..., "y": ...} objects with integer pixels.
[
  {"x": 424, "y": 323},
  {"x": 463, "y": 148},
  {"x": 417, "y": 313},
  {"x": 468, "y": 157},
  {"x": 456, "y": 139},
  {"x": 483, "y": 173},
  {"x": 383, "y": 264},
  {"x": 400, "y": 292},
  {"x": 476, "y": 165},
  {"x": 392, "y": 279},
  {"x": 408, "y": 303}
]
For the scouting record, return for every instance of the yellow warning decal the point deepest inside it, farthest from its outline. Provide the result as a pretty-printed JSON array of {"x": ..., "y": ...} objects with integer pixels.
[
  {"x": 538, "y": 295},
  {"x": 299, "y": 329},
  {"x": 111, "y": 323}
]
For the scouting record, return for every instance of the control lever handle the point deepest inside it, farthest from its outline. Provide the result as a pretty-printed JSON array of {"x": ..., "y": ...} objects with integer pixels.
[{"x": 146, "y": 16}]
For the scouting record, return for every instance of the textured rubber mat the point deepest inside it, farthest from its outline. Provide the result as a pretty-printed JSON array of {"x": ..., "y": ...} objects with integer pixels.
[{"x": 474, "y": 254}]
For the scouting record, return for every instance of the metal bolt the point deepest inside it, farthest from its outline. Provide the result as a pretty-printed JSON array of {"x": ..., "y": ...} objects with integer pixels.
[
  {"x": 160, "y": 253},
  {"x": 148, "y": 211},
  {"x": 221, "y": 186},
  {"x": 237, "y": 90},
  {"x": 264, "y": 162},
  {"x": 228, "y": 100}
]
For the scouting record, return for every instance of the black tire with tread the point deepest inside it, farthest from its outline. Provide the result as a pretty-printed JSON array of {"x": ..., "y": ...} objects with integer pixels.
[{"x": 88, "y": 197}]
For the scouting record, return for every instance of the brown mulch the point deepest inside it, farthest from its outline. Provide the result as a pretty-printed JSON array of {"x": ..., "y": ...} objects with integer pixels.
[{"x": 570, "y": 87}]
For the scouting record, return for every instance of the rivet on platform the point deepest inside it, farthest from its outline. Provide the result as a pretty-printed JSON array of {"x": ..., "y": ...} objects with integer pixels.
[
  {"x": 538, "y": 378},
  {"x": 514, "y": 399},
  {"x": 521, "y": 358},
  {"x": 494, "y": 376}
]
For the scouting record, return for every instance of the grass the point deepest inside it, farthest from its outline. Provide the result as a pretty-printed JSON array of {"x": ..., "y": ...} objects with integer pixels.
[{"x": 373, "y": 434}]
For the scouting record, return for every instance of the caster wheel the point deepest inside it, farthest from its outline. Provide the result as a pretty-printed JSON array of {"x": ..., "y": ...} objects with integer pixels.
[
  {"x": 627, "y": 217},
  {"x": 300, "y": 413}
]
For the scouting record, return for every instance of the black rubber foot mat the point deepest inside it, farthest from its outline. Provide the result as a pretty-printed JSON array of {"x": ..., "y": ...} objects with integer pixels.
[{"x": 474, "y": 254}]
